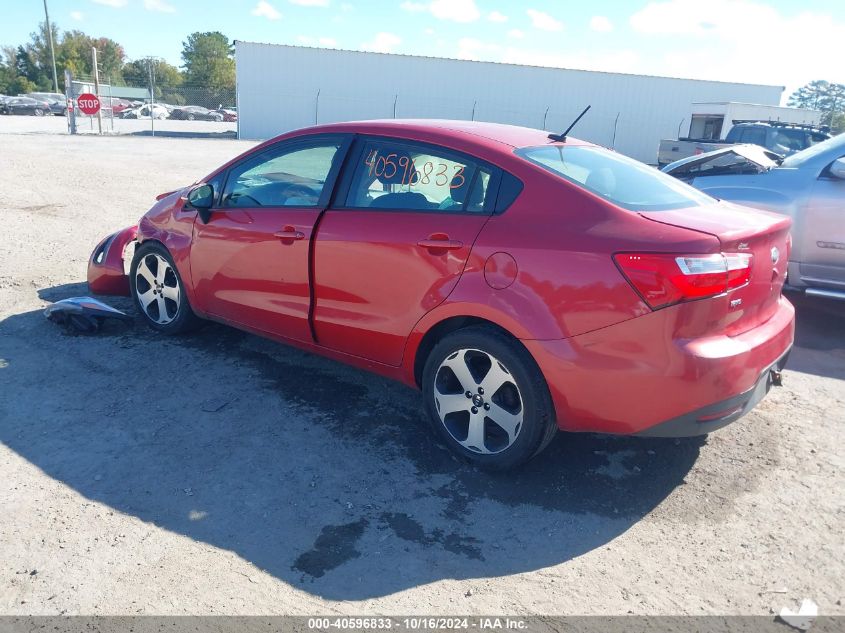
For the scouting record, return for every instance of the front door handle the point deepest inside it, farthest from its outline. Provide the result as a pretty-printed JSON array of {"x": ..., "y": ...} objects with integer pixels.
[
  {"x": 289, "y": 233},
  {"x": 440, "y": 242}
]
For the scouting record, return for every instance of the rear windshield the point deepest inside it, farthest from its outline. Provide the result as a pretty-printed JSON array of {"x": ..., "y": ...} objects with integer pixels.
[{"x": 623, "y": 181}]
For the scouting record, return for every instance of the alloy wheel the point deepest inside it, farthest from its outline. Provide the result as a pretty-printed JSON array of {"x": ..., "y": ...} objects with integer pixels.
[
  {"x": 478, "y": 401},
  {"x": 157, "y": 289}
]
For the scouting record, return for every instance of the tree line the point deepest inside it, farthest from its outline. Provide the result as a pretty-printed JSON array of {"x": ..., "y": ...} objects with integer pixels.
[
  {"x": 207, "y": 73},
  {"x": 827, "y": 97}
]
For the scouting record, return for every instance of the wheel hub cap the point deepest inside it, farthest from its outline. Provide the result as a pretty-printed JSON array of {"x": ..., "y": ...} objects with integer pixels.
[
  {"x": 157, "y": 289},
  {"x": 478, "y": 401}
]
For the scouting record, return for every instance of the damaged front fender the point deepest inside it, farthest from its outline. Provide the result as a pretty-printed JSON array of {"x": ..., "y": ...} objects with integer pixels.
[{"x": 106, "y": 268}]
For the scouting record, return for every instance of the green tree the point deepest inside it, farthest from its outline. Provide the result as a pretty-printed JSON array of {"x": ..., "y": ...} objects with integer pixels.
[
  {"x": 26, "y": 66},
  {"x": 110, "y": 58},
  {"x": 824, "y": 96},
  {"x": 74, "y": 54},
  {"x": 136, "y": 73},
  {"x": 208, "y": 59}
]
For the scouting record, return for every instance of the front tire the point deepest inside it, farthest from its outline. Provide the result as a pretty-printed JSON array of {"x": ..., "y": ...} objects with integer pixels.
[
  {"x": 158, "y": 291},
  {"x": 487, "y": 399}
]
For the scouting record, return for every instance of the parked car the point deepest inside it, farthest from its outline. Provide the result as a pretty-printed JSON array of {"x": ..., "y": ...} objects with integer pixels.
[
  {"x": 782, "y": 138},
  {"x": 190, "y": 113},
  {"x": 229, "y": 114},
  {"x": 808, "y": 186},
  {"x": 119, "y": 106},
  {"x": 56, "y": 100},
  {"x": 143, "y": 112},
  {"x": 523, "y": 284},
  {"x": 27, "y": 105}
]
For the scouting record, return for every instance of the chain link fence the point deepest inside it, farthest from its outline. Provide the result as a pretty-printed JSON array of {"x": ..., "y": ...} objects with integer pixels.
[{"x": 179, "y": 109}]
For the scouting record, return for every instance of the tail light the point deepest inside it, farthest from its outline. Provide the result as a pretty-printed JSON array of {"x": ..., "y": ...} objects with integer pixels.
[{"x": 665, "y": 279}]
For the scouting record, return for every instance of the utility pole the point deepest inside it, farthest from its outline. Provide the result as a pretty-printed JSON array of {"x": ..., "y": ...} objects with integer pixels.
[
  {"x": 52, "y": 50},
  {"x": 152, "y": 94},
  {"x": 97, "y": 88}
]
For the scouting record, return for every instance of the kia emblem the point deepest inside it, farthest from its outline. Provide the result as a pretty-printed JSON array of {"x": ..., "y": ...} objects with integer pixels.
[{"x": 775, "y": 255}]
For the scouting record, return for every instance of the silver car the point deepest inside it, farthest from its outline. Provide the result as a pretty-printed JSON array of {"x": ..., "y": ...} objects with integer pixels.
[{"x": 808, "y": 186}]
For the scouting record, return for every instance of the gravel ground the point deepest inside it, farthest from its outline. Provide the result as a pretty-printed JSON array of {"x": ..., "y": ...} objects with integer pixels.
[{"x": 223, "y": 474}]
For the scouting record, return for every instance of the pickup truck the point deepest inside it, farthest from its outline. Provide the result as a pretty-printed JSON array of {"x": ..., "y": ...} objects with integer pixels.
[{"x": 783, "y": 139}]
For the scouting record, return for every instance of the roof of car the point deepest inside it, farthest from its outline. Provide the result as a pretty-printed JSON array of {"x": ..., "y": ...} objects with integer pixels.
[{"x": 499, "y": 133}]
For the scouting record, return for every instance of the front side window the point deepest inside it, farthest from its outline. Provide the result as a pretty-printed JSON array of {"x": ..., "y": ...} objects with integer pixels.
[
  {"x": 625, "y": 182},
  {"x": 398, "y": 175},
  {"x": 283, "y": 177}
]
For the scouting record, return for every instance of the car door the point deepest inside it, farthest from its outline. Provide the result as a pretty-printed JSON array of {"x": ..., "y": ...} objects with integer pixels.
[
  {"x": 250, "y": 261},
  {"x": 394, "y": 245},
  {"x": 823, "y": 232}
]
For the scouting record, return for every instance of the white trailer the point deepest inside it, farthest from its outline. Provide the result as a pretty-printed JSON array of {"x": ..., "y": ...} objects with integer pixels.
[{"x": 280, "y": 88}]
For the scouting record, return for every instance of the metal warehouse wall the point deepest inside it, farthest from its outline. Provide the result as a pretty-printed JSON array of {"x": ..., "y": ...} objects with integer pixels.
[{"x": 278, "y": 91}]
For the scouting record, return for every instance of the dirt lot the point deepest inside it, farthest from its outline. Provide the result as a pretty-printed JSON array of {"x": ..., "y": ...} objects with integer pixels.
[{"x": 220, "y": 473}]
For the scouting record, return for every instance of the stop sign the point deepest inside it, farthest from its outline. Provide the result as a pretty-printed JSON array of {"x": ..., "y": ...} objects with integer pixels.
[{"x": 88, "y": 103}]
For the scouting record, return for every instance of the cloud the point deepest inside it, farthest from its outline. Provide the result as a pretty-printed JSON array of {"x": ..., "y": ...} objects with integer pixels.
[
  {"x": 453, "y": 10},
  {"x": 382, "y": 43},
  {"x": 115, "y": 4},
  {"x": 601, "y": 24},
  {"x": 77, "y": 15},
  {"x": 310, "y": 3},
  {"x": 516, "y": 34},
  {"x": 495, "y": 16},
  {"x": 737, "y": 40},
  {"x": 544, "y": 21},
  {"x": 159, "y": 5},
  {"x": 266, "y": 10}
]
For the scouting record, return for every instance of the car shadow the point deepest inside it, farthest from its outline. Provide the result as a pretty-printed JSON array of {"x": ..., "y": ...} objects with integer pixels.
[
  {"x": 819, "y": 336},
  {"x": 324, "y": 476}
]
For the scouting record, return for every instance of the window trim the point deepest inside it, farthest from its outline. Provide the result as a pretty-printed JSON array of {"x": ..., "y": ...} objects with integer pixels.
[
  {"x": 356, "y": 154},
  {"x": 293, "y": 144}
]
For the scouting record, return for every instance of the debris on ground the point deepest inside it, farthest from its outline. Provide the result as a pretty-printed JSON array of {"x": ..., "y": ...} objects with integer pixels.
[
  {"x": 83, "y": 314},
  {"x": 803, "y": 618}
]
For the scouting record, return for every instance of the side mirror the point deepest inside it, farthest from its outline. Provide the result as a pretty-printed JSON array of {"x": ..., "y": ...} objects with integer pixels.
[
  {"x": 202, "y": 198},
  {"x": 837, "y": 168}
]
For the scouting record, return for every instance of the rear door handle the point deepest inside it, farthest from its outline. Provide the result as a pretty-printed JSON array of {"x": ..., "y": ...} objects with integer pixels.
[
  {"x": 440, "y": 242},
  {"x": 290, "y": 233}
]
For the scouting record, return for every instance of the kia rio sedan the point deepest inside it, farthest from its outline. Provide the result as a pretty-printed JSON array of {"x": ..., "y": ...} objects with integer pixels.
[{"x": 525, "y": 284}]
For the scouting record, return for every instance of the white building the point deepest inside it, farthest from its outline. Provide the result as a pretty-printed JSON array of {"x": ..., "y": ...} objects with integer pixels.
[{"x": 287, "y": 87}]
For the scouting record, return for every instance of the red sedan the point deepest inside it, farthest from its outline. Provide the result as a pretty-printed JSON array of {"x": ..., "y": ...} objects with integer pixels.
[{"x": 525, "y": 284}]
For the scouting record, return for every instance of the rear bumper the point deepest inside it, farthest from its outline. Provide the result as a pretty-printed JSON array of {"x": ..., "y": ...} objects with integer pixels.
[
  {"x": 636, "y": 376},
  {"x": 716, "y": 416}
]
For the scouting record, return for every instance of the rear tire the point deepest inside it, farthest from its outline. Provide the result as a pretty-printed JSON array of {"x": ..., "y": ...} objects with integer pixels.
[
  {"x": 508, "y": 416},
  {"x": 39, "y": 112},
  {"x": 158, "y": 291}
]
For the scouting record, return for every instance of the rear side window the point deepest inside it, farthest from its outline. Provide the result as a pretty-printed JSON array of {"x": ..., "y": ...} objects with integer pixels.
[
  {"x": 623, "y": 181},
  {"x": 406, "y": 176},
  {"x": 753, "y": 135}
]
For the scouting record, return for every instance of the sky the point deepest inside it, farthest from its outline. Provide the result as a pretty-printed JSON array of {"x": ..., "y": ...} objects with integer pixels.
[{"x": 778, "y": 42}]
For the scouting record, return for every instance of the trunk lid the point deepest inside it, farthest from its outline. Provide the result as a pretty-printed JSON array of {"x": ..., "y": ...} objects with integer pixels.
[{"x": 739, "y": 229}]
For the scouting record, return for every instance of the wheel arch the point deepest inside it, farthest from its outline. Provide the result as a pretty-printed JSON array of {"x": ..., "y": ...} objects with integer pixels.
[{"x": 440, "y": 322}]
